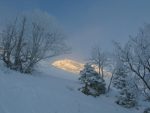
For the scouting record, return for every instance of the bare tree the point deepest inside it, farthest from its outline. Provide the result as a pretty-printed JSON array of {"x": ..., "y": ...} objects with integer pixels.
[
  {"x": 136, "y": 55},
  {"x": 8, "y": 43},
  {"x": 19, "y": 46},
  {"x": 27, "y": 41},
  {"x": 99, "y": 58}
]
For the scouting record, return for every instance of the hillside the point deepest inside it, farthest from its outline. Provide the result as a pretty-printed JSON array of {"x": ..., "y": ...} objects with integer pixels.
[{"x": 50, "y": 90}]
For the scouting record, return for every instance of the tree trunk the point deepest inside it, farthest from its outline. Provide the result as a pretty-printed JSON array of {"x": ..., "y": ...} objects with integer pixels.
[{"x": 102, "y": 72}]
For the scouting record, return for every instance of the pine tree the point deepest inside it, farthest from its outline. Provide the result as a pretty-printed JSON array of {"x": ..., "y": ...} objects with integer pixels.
[
  {"x": 122, "y": 81},
  {"x": 119, "y": 80},
  {"x": 93, "y": 83}
]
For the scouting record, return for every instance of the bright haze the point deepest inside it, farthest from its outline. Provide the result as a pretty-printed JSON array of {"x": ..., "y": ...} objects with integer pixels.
[{"x": 87, "y": 22}]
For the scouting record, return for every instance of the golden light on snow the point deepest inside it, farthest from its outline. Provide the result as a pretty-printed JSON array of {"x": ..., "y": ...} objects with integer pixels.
[
  {"x": 69, "y": 65},
  {"x": 73, "y": 66}
]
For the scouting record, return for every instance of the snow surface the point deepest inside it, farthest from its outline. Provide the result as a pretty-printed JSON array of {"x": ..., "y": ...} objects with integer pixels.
[{"x": 50, "y": 90}]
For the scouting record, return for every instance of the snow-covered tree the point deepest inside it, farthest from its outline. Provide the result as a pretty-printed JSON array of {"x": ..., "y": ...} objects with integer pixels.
[
  {"x": 120, "y": 75},
  {"x": 29, "y": 39},
  {"x": 93, "y": 83},
  {"x": 126, "y": 85},
  {"x": 136, "y": 57}
]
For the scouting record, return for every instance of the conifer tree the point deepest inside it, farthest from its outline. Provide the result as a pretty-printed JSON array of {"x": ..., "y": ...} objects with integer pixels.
[{"x": 94, "y": 84}]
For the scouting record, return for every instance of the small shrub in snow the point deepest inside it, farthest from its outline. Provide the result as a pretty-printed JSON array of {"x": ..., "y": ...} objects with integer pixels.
[
  {"x": 126, "y": 99},
  {"x": 147, "y": 110},
  {"x": 93, "y": 83}
]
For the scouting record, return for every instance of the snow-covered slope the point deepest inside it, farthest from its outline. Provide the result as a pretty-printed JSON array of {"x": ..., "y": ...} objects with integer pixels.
[{"x": 50, "y": 90}]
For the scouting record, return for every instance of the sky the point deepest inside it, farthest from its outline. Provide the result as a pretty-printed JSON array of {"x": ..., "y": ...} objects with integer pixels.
[{"x": 87, "y": 23}]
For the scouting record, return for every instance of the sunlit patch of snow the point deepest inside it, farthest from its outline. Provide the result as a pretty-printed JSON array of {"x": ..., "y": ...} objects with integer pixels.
[
  {"x": 73, "y": 66},
  {"x": 68, "y": 65}
]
